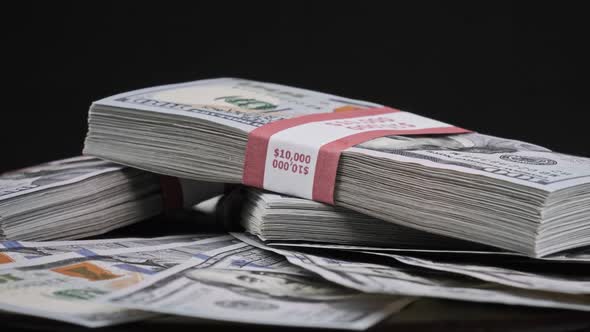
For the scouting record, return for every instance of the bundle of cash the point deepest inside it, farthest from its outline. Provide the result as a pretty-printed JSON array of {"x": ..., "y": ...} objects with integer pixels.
[
  {"x": 280, "y": 218},
  {"x": 439, "y": 179},
  {"x": 84, "y": 196}
]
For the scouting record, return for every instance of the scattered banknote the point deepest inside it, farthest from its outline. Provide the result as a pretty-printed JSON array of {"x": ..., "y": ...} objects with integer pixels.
[
  {"x": 575, "y": 255},
  {"x": 559, "y": 278},
  {"x": 66, "y": 286},
  {"x": 19, "y": 253},
  {"x": 402, "y": 279},
  {"x": 242, "y": 283},
  {"x": 495, "y": 191}
]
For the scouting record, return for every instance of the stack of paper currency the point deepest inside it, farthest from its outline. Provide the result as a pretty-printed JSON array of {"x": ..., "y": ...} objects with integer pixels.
[
  {"x": 274, "y": 217},
  {"x": 495, "y": 191},
  {"x": 73, "y": 198},
  {"x": 84, "y": 196}
]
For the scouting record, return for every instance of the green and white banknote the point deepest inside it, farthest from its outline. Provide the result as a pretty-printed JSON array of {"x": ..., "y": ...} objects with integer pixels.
[
  {"x": 243, "y": 283},
  {"x": 65, "y": 286}
]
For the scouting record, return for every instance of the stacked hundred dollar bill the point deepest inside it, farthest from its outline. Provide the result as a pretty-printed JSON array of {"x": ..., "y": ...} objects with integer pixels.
[
  {"x": 84, "y": 196},
  {"x": 279, "y": 218},
  {"x": 475, "y": 187}
]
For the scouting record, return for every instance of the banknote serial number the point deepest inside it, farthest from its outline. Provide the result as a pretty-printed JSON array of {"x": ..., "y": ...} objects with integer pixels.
[{"x": 294, "y": 162}]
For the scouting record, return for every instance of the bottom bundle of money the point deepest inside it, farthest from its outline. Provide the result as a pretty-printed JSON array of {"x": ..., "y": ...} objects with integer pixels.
[{"x": 274, "y": 217}]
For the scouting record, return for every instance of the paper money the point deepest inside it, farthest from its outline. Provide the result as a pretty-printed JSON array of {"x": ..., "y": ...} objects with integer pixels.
[
  {"x": 279, "y": 218},
  {"x": 576, "y": 255},
  {"x": 84, "y": 196},
  {"x": 501, "y": 192},
  {"x": 553, "y": 278},
  {"x": 22, "y": 253},
  {"x": 407, "y": 280},
  {"x": 66, "y": 286},
  {"x": 242, "y": 283}
]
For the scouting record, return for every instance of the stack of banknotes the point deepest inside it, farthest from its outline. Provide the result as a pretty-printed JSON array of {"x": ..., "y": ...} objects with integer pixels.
[
  {"x": 285, "y": 219},
  {"x": 491, "y": 190},
  {"x": 447, "y": 214},
  {"x": 83, "y": 196}
]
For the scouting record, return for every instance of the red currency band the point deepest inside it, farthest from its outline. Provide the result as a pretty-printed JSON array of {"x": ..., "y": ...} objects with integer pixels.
[
  {"x": 329, "y": 154},
  {"x": 258, "y": 139},
  {"x": 171, "y": 192}
]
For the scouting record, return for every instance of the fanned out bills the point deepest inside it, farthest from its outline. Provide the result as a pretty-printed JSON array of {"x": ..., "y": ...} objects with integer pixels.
[
  {"x": 242, "y": 283},
  {"x": 475, "y": 187},
  {"x": 524, "y": 274},
  {"x": 80, "y": 197},
  {"x": 210, "y": 276},
  {"x": 65, "y": 286},
  {"x": 390, "y": 277}
]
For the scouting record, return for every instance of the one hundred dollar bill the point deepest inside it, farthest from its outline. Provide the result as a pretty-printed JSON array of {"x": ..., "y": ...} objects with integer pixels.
[
  {"x": 408, "y": 280},
  {"x": 66, "y": 286},
  {"x": 242, "y": 283}
]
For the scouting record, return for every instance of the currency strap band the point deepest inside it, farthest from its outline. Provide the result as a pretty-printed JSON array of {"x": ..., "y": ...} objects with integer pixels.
[
  {"x": 171, "y": 190},
  {"x": 300, "y": 156}
]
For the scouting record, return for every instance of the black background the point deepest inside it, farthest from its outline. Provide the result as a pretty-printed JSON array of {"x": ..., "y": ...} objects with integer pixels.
[{"x": 512, "y": 70}]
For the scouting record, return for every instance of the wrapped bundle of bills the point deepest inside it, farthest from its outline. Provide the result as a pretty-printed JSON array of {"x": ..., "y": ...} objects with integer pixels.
[
  {"x": 84, "y": 196},
  {"x": 273, "y": 217},
  {"x": 471, "y": 186}
]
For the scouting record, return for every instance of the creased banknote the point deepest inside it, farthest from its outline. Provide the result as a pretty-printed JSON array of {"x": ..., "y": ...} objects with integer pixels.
[
  {"x": 414, "y": 281},
  {"x": 66, "y": 286},
  {"x": 243, "y": 283}
]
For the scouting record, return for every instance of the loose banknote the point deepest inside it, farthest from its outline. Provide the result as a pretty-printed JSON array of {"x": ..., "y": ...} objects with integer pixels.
[
  {"x": 66, "y": 286},
  {"x": 575, "y": 255},
  {"x": 401, "y": 279},
  {"x": 15, "y": 253},
  {"x": 243, "y": 283},
  {"x": 553, "y": 277}
]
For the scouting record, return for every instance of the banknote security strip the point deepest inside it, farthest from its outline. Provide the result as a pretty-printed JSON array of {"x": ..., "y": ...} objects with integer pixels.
[{"x": 299, "y": 156}]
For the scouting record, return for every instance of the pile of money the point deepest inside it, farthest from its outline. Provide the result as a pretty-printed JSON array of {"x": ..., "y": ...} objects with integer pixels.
[
  {"x": 84, "y": 196},
  {"x": 485, "y": 189},
  {"x": 217, "y": 276},
  {"x": 213, "y": 276},
  {"x": 336, "y": 231},
  {"x": 280, "y": 218}
]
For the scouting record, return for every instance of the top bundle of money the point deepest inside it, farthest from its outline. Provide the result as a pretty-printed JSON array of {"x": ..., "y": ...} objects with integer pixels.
[{"x": 389, "y": 164}]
